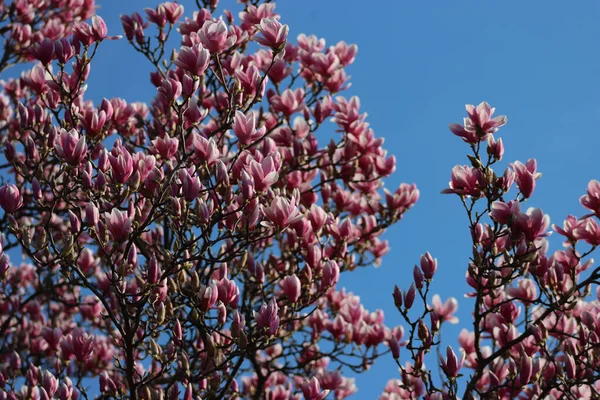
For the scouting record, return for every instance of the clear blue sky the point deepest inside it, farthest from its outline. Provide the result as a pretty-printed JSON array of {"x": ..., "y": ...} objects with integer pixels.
[{"x": 418, "y": 64}]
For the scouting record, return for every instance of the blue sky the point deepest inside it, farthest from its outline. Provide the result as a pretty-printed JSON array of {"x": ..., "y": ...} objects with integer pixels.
[{"x": 418, "y": 64}]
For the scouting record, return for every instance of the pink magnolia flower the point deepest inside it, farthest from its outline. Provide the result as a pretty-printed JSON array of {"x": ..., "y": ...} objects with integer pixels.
[
  {"x": 64, "y": 50},
  {"x": 43, "y": 51},
  {"x": 118, "y": 223},
  {"x": 264, "y": 173},
  {"x": 121, "y": 163},
  {"x": 93, "y": 121},
  {"x": 570, "y": 224},
  {"x": 588, "y": 230},
  {"x": 466, "y": 181},
  {"x": 526, "y": 176},
  {"x": 78, "y": 344},
  {"x": 479, "y": 124},
  {"x": 289, "y": 102},
  {"x": 100, "y": 30},
  {"x": 267, "y": 318},
  {"x": 591, "y": 200},
  {"x": 451, "y": 365},
  {"x": 208, "y": 297},
  {"x": 274, "y": 34},
  {"x": 428, "y": 265},
  {"x": 107, "y": 385},
  {"x": 10, "y": 198},
  {"x": 445, "y": 311},
  {"x": 170, "y": 89},
  {"x": 134, "y": 26},
  {"x": 53, "y": 336},
  {"x": 394, "y": 347},
  {"x": 331, "y": 274},
  {"x": 157, "y": 16},
  {"x": 228, "y": 292},
  {"x": 92, "y": 214},
  {"x": 504, "y": 213},
  {"x": 214, "y": 36},
  {"x": 312, "y": 389},
  {"x": 166, "y": 146},
  {"x": 533, "y": 224},
  {"x": 49, "y": 383},
  {"x": 525, "y": 291},
  {"x": 173, "y": 11},
  {"x": 191, "y": 184},
  {"x": 508, "y": 178},
  {"x": 244, "y": 127},
  {"x": 70, "y": 146},
  {"x": 154, "y": 271},
  {"x": 206, "y": 149},
  {"x": 281, "y": 213},
  {"x": 495, "y": 148},
  {"x": 291, "y": 287},
  {"x": 194, "y": 59}
]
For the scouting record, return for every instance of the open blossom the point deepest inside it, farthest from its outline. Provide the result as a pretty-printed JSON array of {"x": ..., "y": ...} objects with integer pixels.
[
  {"x": 267, "y": 318},
  {"x": 274, "y": 34},
  {"x": 533, "y": 224},
  {"x": 194, "y": 59},
  {"x": 264, "y": 174},
  {"x": 10, "y": 198},
  {"x": 525, "y": 175},
  {"x": 445, "y": 311},
  {"x": 569, "y": 227},
  {"x": 166, "y": 146},
  {"x": 214, "y": 36},
  {"x": 78, "y": 344},
  {"x": 504, "y": 213},
  {"x": 206, "y": 149},
  {"x": 281, "y": 213},
  {"x": 479, "y": 123},
  {"x": 311, "y": 388},
  {"x": 589, "y": 231},
  {"x": 244, "y": 127},
  {"x": 118, "y": 223},
  {"x": 134, "y": 26},
  {"x": 466, "y": 181},
  {"x": 525, "y": 291},
  {"x": 591, "y": 200},
  {"x": 70, "y": 146}
]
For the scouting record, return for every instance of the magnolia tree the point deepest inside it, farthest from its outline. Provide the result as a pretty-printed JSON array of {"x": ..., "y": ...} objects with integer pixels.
[
  {"x": 535, "y": 332},
  {"x": 192, "y": 247},
  {"x": 189, "y": 247}
]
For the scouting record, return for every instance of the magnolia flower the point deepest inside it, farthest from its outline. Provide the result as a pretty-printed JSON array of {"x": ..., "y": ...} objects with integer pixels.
[
  {"x": 479, "y": 123},
  {"x": 281, "y": 213},
  {"x": 118, "y": 223},
  {"x": 214, "y": 36},
  {"x": 290, "y": 285},
  {"x": 267, "y": 318},
  {"x": 274, "y": 35},
  {"x": 525, "y": 175},
  {"x": 451, "y": 365},
  {"x": 194, "y": 59},
  {"x": 10, "y": 198},
  {"x": 466, "y": 181},
  {"x": 78, "y": 344},
  {"x": 445, "y": 311},
  {"x": 70, "y": 146}
]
